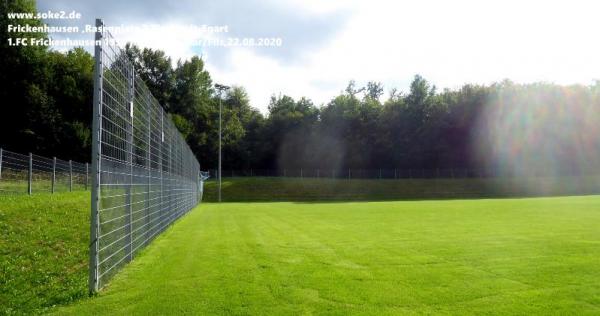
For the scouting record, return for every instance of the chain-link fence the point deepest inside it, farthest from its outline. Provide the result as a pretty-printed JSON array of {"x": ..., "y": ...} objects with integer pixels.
[
  {"x": 144, "y": 174},
  {"x": 32, "y": 173}
]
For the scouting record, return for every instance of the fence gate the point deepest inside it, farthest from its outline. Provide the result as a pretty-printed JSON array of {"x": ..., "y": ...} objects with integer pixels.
[{"x": 144, "y": 175}]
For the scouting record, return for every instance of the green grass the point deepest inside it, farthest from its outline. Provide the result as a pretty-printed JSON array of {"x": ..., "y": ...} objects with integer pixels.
[
  {"x": 313, "y": 189},
  {"x": 43, "y": 250},
  {"x": 497, "y": 256},
  {"x": 477, "y": 256}
]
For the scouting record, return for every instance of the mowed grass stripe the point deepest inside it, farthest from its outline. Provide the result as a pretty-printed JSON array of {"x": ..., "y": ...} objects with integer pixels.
[{"x": 511, "y": 256}]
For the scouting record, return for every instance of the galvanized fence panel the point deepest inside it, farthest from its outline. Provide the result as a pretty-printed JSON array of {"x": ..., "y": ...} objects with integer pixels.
[
  {"x": 15, "y": 172},
  {"x": 33, "y": 173},
  {"x": 144, "y": 174}
]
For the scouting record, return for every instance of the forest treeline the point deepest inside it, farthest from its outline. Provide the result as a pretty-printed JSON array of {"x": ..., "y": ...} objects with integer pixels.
[{"x": 47, "y": 100}]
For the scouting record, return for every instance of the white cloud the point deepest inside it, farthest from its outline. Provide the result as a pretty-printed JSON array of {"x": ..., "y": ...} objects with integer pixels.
[{"x": 450, "y": 43}]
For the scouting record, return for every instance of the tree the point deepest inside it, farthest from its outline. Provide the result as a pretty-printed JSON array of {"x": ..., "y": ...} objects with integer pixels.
[
  {"x": 23, "y": 79},
  {"x": 246, "y": 150},
  {"x": 156, "y": 70},
  {"x": 373, "y": 90},
  {"x": 48, "y": 96},
  {"x": 288, "y": 125}
]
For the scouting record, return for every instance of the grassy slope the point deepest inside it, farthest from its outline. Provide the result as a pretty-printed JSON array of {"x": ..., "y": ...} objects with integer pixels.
[
  {"x": 517, "y": 256},
  {"x": 312, "y": 189},
  {"x": 43, "y": 250}
]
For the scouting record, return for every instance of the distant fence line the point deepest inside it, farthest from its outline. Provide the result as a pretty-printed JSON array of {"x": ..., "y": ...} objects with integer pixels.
[
  {"x": 31, "y": 173},
  {"x": 383, "y": 173}
]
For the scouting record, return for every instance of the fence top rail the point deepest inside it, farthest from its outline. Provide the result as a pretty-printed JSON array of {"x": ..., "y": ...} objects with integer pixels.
[
  {"x": 7, "y": 153},
  {"x": 14, "y": 159},
  {"x": 41, "y": 158}
]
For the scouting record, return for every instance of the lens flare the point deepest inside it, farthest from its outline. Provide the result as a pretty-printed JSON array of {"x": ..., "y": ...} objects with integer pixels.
[{"x": 541, "y": 130}]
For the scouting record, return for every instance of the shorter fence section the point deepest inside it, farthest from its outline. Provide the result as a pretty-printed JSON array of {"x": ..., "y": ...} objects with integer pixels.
[
  {"x": 32, "y": 173},
  {"x": 417, "y": 173}
]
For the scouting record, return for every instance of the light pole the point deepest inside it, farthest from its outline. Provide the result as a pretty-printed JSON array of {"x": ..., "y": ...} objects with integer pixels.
[{"x": 221, "y": 88}]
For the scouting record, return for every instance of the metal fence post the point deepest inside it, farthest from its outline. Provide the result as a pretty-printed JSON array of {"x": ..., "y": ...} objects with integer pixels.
[
  {"x": 94, "y": 278},
  {"x": 30, "y": 174},
  {"x": 1, "y": 163},
  {"x": 300, "y": 173},
  {"x": 161, "y": 162},
  {"x": 70, "y": 176},
  {"x": 349, "y": 176},
  {"x": 149, "y": 166},
  {"x": 53, "y": 174},
  {"x": 128, "y": 199},
  {"x": 169, "y": 173},
  {"x": 317, "y": 173},
  {"x": 395, "y": 173}
]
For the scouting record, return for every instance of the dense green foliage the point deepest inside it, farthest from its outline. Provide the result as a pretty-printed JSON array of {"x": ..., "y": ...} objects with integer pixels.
[
  {"x": 533, "y": 128},
  {"x": 469, "y": 257},
  {"x": 43, "y": 251},
  {"x": 46, "y": 95}
]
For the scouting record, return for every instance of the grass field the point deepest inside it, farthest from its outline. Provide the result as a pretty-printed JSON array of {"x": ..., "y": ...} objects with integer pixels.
[
  {"x": 458, "y": 256},
  {"x": 496, "y": 256},
  {"x": 43, "y": 250}
]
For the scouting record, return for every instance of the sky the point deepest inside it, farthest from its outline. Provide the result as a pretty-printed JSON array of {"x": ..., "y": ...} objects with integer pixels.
[{"x": 325, "y": 44}]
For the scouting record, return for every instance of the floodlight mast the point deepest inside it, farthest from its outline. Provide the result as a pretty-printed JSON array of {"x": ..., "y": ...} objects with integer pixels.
[{"x": 221, "y": 88}]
